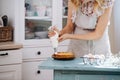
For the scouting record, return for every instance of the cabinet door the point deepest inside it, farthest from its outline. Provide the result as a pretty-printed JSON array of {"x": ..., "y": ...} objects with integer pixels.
[
  {"x": 64, "y": 12},
  {"x": 10, "y": 72},
  {"x": 31, "y": 72},
  {"x": 38, "y": 17},
  {"x": 86, "y": 75}
]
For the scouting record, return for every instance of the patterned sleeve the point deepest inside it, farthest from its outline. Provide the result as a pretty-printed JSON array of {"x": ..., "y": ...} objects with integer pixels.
[{"x": 107, "y": 3}]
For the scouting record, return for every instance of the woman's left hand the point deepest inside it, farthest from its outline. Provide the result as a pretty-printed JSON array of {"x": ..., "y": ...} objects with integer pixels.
[{"x": 64, "y": 37}]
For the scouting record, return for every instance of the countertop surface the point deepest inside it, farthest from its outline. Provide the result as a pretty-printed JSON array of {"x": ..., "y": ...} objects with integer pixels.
[
  {"x": 10, "y": 45},
  {"x": 75, "y": 64}
]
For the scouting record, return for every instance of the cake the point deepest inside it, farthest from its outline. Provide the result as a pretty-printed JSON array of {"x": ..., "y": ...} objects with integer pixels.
[{"x": 63, "y": 55}]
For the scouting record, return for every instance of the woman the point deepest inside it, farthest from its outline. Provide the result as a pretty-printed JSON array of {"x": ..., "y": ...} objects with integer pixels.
[{"x": 87, "y": 27}]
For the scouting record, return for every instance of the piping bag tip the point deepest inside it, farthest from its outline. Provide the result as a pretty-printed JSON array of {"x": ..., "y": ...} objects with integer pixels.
[{"x": 55, "y": 50}]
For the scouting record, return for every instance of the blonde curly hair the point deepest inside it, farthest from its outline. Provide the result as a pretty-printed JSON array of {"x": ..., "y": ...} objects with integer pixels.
[{"x": 97, "y": 4}]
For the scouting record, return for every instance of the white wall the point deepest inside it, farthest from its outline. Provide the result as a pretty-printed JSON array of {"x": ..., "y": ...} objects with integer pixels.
[
  {"x": 112, "y": 34},
  {"x": 117, "y": 25},
  {"x": 10, "y": 8},
  {"x": 7, "y": 8}
]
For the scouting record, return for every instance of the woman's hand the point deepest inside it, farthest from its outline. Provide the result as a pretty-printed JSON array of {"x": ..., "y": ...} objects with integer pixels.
[
  {"x": 64, "y": 37},
  {"x": 52, "y": 31}
]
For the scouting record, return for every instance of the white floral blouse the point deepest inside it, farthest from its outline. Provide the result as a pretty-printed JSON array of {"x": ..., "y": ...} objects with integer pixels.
[{"x": 85, "y": 20}]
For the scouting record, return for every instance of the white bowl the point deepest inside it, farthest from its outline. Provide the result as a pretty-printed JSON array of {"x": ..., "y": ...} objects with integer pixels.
[
  {"x": 41, "y": 34},
  {"x": 29, "y": 35}
]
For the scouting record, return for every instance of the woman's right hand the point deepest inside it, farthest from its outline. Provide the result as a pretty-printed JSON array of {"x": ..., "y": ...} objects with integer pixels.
[{"x": 52, "y": 31}]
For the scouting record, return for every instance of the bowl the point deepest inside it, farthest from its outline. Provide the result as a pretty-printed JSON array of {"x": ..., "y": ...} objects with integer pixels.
[
  {"x": 41, "y": 34},
  {"x": 29, "y": 35},
  {"x": 93, "y": 59}
]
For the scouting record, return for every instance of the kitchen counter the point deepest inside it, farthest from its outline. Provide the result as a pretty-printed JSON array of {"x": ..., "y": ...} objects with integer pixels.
[
  {"x": 9, "y": 45},
  {"x": 76, "y": 70}
]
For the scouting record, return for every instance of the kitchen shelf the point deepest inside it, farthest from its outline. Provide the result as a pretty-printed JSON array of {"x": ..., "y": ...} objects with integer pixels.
[{"x": 39, "y": 18}]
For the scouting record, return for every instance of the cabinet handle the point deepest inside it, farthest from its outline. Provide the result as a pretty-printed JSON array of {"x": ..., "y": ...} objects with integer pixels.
[
  {"x": 4, "y": 54},
  {"x": 39, "y": 53},
  {"x": 38, "y": 72}
]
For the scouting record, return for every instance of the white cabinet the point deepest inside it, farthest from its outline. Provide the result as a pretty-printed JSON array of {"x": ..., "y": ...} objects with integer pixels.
[
  {"x": 32, "y": 58},
  {"x": 10, "y": 65},
  {"x": 31, "y": 19},
  {"x": 31, "y": 72},
  {"x": 35, "y": 18}
]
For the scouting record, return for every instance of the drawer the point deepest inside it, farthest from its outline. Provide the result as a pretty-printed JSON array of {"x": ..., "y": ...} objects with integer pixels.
[
  {"x": 10, "y": 57},
  {"x": 42, "y": 52},
  {"x": 31, "y": 72},
  {"x": 10, "y": 72}
]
